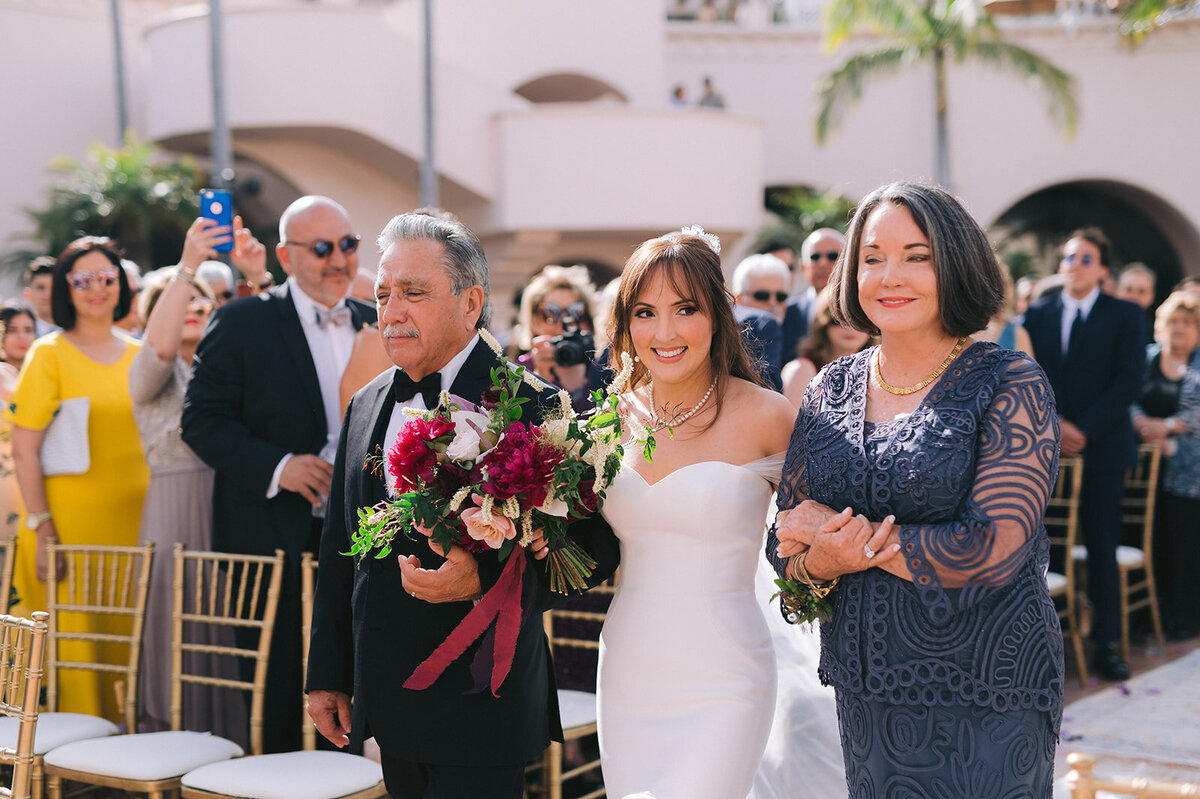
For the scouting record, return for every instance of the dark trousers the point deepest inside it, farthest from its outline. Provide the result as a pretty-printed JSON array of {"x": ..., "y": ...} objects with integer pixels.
[
  {"x": 1177, "y": 560},
  {"x": 1100, "y": 523},
  {"x": 408, "y": 780}
]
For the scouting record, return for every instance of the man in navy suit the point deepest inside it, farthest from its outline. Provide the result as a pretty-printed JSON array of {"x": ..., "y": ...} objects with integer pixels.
[
  {"x": 263, "y": 411},
  {"x": 1092, "y": 348},
  {"x": 759, "y": 285}
]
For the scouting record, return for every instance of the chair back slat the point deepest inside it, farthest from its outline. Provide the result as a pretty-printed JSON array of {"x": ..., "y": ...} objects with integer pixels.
[
  {"x": 308, "y": 591},
  {"x": 22, "y": 657},
  {"x": 8, "y": 546}
]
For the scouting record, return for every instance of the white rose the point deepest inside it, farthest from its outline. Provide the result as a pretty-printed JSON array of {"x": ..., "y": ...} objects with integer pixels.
[{"x": 466, "y": 445}]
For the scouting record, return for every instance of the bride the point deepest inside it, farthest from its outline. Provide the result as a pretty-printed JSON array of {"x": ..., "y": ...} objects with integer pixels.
[{"x": 687, "y": 667}]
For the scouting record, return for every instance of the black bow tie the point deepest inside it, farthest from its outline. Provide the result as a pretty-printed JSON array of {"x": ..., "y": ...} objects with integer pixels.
[{"x": 405, "y": 388}]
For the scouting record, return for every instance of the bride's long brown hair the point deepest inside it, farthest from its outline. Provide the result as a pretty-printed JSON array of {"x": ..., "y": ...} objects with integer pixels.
[{"x": 693, "y": 270}]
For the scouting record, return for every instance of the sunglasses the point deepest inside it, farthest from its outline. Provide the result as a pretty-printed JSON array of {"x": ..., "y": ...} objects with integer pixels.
[
  {"x": 199, "y": 305},
  {"x": 1084, "y": 260},
  {"x": 830, "y": 256},
  {"x": 227, "y": 295},
  {"x": 765, "y": 296},
  {"x": 553, "y": 313},
  {"x": 82, "y": 281},
  {"x": 323, "y": 248}
]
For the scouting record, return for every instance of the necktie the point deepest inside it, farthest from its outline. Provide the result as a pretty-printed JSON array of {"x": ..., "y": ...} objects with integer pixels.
[
  {"x": 338, "y": 317},
  {"x": 405, "y": 388},
  {"x": 1075, "y": 336}
]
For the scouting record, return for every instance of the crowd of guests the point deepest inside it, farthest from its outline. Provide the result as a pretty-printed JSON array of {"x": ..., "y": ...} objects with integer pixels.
[{"x": 213, "y": 424}]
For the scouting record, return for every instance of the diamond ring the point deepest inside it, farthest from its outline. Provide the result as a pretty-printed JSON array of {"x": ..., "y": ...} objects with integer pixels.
[{"x": 870, "y": 553}]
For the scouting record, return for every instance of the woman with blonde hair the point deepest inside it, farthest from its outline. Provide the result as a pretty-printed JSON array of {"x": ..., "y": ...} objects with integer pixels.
[{"x": 554, "y": 332}]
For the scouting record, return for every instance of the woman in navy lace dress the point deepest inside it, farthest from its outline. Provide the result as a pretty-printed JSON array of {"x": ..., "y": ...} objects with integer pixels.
[{"x": 946, "y": 659}]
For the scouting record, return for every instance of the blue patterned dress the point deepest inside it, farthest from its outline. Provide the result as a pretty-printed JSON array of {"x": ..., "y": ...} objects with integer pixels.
[{"x": 949, "y": 686}]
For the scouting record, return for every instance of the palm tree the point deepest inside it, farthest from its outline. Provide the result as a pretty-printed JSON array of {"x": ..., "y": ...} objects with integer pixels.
[
  {"x": 934, "y": 31},
  {"x": 1141, "y": 17}
]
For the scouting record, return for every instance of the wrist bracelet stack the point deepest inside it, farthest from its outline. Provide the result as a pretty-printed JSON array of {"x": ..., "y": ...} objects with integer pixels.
[
  {"x": 804, "y": 598},
  {"x": 187, "y": 277}
]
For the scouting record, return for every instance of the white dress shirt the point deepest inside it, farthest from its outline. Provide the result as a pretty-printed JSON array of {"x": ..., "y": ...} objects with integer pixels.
[{"x": 1070, "y": 307}]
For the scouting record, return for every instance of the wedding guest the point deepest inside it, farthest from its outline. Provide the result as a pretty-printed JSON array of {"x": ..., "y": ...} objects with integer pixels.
[
  {"x": 1190, "y": 284},
  {"x": 1092, "y": 347},
  {"x": 558, "y": 302},
  {"x": 1005, "y": 327},
  {"x": 176, "y": 304},
  {"x": 263, "y": 411},
  {"x": 1023, "y": 294},
  {"x": 102, "y": 504},
  {"x": 219, "y": 278},
  {"x": 1136, "y": 283},
  {"x": 131, "y": 323},
  {"x": 17, "y": 333},
  {"x": 38, "y": 279},
  {"x": 18, "y": 329},
  {"x": 818, "y": 253},
  {"x": 827, "y": 342},
  {"x": 1168, "y": 414},
  {"x": 950, "y": 445},
  {"x": 759, "y": 285},
  {"x": 710, "y": 97},
  {"x": 376, "y": 621}
]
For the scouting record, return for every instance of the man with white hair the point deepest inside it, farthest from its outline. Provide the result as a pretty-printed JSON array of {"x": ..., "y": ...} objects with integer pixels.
[
  {"x": 760, "y": 291},
  {"x": 263, "y": 410},
  {"x": 818, "y": 254}
]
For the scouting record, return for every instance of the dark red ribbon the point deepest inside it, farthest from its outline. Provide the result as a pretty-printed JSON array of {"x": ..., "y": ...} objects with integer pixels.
[{"x": 502, "y": 605}]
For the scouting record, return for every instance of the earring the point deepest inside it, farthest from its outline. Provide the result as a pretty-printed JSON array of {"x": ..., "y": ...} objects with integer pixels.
[{"x": 636, "y": 359}]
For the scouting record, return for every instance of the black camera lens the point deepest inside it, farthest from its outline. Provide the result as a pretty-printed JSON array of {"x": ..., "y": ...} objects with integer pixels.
[{"x": 572, "y": 349}]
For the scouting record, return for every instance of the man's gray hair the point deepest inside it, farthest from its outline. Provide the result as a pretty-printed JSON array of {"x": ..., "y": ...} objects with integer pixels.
[
  {"x": 763, "y": 264},
  {"x": 464, "y": 261},
  {"x": 811, "y": 240}
]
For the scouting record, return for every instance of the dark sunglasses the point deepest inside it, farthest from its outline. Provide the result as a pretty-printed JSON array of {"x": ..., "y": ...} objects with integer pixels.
[
  {"x": 832, "y": 255},
  {"x": 765, "y": 296},
  {"x": 1084, "y": 260},
  {"x": 227, "y": 295},
  {"x": 323, "y": 248},
  {"x": 82, "y": 281},
  {"x": 554, "y": 313}
]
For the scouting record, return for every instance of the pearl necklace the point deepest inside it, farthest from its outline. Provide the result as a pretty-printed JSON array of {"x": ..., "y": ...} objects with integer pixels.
[
  {"x": 914, "y": 389},
  {"x": 659, "y": 424}
]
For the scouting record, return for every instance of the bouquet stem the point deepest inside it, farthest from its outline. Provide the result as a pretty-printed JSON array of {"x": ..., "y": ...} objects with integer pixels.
[{"x": 568, "y": 568}]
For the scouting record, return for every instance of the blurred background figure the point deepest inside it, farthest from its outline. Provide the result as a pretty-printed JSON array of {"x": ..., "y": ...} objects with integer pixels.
[
  {"x": 827, "y": 342},
  {"x": 176, "y": 304},
  {"x": 1168, "y": 414},
  {"x": 709, "y": 97},
  {"x": 1191, "y": 285},
  {"x": 16, "y": 335},
  {"x": 131, "y": 323},
  {"x": 679, "y": 97},
  {"x": 759, "y": 285},
  {"x": 219, "y": 278},
  {"x": 554, "y": 332},
  {"x": 818, "y": 253},
  {"x": 18, "y": 329},
  {"x": 38, "y": 278},
  {"x": 1005, "y": 327},
  {"x": 1024, "y": 293},
  {"x": 89, "y": 358},
  {"x": 1136, "y": 283}
]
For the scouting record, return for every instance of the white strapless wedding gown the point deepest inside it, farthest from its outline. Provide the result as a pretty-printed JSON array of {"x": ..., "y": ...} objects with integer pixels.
[{"x": 687, "y": 666}]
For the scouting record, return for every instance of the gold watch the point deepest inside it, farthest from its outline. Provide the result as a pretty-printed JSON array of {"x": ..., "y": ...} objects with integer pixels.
[{"x": 35, "y": 520}]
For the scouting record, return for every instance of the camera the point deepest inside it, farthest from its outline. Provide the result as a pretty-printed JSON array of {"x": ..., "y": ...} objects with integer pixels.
[{"x": 574, "y": 346}]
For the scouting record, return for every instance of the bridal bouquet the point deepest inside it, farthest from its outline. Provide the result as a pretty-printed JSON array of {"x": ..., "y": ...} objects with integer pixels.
[{"x": 479, "y": 477}]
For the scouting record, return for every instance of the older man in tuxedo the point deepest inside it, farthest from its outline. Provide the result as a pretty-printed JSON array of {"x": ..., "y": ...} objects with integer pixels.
[
  {"x": 262, "y": 410},
  {"x": 377, "y": 619}
]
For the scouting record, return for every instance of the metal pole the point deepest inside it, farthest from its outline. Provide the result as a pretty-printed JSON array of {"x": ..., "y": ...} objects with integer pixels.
[
  {"x": 429, "y": 179},
  {"x": 222, "y": 147},
  {"x": 119, "y": 73}
]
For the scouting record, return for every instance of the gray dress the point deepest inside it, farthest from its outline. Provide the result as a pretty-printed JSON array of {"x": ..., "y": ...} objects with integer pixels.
[
  {"x": 949, "y": 685},
  {"x": 178, "y": 509}
]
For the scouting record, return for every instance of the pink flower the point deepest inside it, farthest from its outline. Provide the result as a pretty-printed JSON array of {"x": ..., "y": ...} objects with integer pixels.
[
  {"x": 520, "y": 466},
  {"x": 492, "y": 532},
  {"x": 412, "y": 458}
]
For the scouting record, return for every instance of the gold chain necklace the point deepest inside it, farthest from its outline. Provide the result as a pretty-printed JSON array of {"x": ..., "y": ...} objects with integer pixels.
[{"x": 933, "y": 376}]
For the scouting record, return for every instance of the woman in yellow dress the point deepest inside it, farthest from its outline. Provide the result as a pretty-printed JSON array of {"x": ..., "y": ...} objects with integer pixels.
[{"x": 104, "y": 504}]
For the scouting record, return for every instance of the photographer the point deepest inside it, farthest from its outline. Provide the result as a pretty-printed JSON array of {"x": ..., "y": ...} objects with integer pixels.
[{"x": 554, "y": 330}]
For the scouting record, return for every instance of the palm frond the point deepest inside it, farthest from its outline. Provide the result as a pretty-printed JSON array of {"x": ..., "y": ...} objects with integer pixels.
[
  {"x": 843, "y": 87},
  {"x": 845, "y": 17},
  {"x": 1057, "y": 85},
  {"x": 1142, "y": 17}
]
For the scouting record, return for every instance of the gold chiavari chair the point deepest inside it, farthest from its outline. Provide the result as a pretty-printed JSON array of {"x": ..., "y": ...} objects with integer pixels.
[
  {"x": 1084, "y": 784},
  {"x": 1062, "y": 525},
  {"x": 22, "y": 654},
  {"x": 95, "y": 585},
  {"x": 239, "y": 591},
  {"x": 309, "y": 773},
  {"x": 8, "y": 550},
  {"x": 577, "y": 709},
  {"x": 1138, "y": 510}
]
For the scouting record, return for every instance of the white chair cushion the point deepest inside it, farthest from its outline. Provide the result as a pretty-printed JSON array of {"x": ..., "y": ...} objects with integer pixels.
[
  {"x": 1079, "y": 552},
  {"x": 576, "y": 708},
  {"x": 1127, "y": 557},
  {"x": 146, "y": 756},
  {"x": 1057, "y": 583},
  {"x": 55, "y": 729},
  {"x": 291, "y": 775}
]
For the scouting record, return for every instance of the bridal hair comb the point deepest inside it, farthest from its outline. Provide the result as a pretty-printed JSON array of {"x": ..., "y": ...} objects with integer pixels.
[{"x": 695, "y": 230}]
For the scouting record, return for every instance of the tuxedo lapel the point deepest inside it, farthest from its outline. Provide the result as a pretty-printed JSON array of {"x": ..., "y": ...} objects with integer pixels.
[
  {"x": 296, "y": 344},
  {"x": 379, "y": 404},
  {"x": 1053, "y": 344},
  {"x": 475, "y": 376}
]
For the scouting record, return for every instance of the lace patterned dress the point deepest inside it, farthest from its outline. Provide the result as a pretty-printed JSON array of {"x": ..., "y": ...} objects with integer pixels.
[{"x": 949, "y": 685}]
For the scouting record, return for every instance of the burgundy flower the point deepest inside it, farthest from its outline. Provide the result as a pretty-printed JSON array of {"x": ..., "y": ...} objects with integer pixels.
[
  {"x": 412, "y": 458},
  {"x": 491, "y": 397},
  {"x": 588, "y": 503},
  {"x": 520, "y": 466}
]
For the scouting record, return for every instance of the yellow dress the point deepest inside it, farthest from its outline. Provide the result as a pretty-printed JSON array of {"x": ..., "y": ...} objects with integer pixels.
[{"x": 100, "y": 506}]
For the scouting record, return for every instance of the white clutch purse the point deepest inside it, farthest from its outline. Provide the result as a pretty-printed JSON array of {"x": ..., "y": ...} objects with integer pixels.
[{"x": 65, "y": 446}]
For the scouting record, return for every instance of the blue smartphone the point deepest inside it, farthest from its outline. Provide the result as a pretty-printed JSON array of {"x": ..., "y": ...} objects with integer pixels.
[{"x": 217, "y": 205}]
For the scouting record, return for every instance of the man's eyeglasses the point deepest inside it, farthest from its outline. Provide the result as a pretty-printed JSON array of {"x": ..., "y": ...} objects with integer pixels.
[
  {"x": 765, "y": 296},
  {"x": 82, "y": 281},
  {"x": 1084, "y": 260},
  {"x": 553, "y": 313},
  {"x": 831, "y": 256},
  {"x": 322, "y": 248}
]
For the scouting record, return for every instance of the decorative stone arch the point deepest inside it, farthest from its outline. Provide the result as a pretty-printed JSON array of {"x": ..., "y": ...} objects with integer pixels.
[
  {"x": 1141, "y": 224},
  {"x": 569, "y": 87}
]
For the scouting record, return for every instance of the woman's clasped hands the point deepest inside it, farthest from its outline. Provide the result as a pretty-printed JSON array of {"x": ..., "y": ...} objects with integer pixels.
[{"x": 837, "y": 543}]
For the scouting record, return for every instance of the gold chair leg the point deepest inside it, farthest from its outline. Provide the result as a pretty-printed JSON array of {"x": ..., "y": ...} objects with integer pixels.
[
  {"x": 1124, "y": 615},
  {"x": 1155, "y": 616},
  {"x": 54, "y": 787},
  {"x": 554, "y": 776}
]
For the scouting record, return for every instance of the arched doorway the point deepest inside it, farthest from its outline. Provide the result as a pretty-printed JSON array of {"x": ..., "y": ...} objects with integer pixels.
[{"x": 568, "y": 87}]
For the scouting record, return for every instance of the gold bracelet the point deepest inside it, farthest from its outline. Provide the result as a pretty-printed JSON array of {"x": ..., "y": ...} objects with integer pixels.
[
  {"x": 820, "y": 588},
  {"x": 186, "y": 278}
]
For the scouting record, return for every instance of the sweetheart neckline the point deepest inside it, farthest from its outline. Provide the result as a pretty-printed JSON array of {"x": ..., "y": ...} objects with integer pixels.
[{"x": 740, "y": 466}]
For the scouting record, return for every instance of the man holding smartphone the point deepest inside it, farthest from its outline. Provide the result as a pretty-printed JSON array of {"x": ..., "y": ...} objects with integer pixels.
[{"x": 263, "y": 410}]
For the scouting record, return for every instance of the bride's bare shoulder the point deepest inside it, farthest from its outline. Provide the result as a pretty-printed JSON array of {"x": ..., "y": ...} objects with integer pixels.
[{"x": 762, "y": 409}]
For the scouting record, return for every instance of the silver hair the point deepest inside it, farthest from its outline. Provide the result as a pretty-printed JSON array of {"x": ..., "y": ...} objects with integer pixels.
[
  {"x": 760, "y": 265},
  {"x": 212, "y": 271},
  {"x": 464, "y": 260},
  {"x": 811, "y": 241}
]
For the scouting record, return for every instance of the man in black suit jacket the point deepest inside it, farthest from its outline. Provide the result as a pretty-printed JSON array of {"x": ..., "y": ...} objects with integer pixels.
[
  {"x": 377, "y": 619},
  {"x": 1092, "y": 349},
  {"x": 263, "y": 407}
]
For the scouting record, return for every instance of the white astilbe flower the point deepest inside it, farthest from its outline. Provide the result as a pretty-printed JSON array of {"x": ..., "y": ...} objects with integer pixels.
[
  {"x": 460, "y": 496},
  {"x": 597, "y": 457},
  {"x": 637, "y": 432},
  {"x": 530, "y": 379},
  {"x": 413, "y": 413},
  {"x": 564, "y": 403},
  {"x": 491, "y": 341},
  {"x": 526, "y": 528},
  {"x": 621, "y": 380},
  {"x": 485, "y": 508},
  {"x": 512, "y": 508},
  {"x": 555, "y": 432}
]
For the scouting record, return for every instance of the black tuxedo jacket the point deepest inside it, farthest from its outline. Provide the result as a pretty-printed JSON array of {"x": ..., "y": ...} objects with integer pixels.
[
  {"x": 254, "y": 397},
  {"x": 1094, "y": 387},
  {"x": 368, "y": 634}
]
